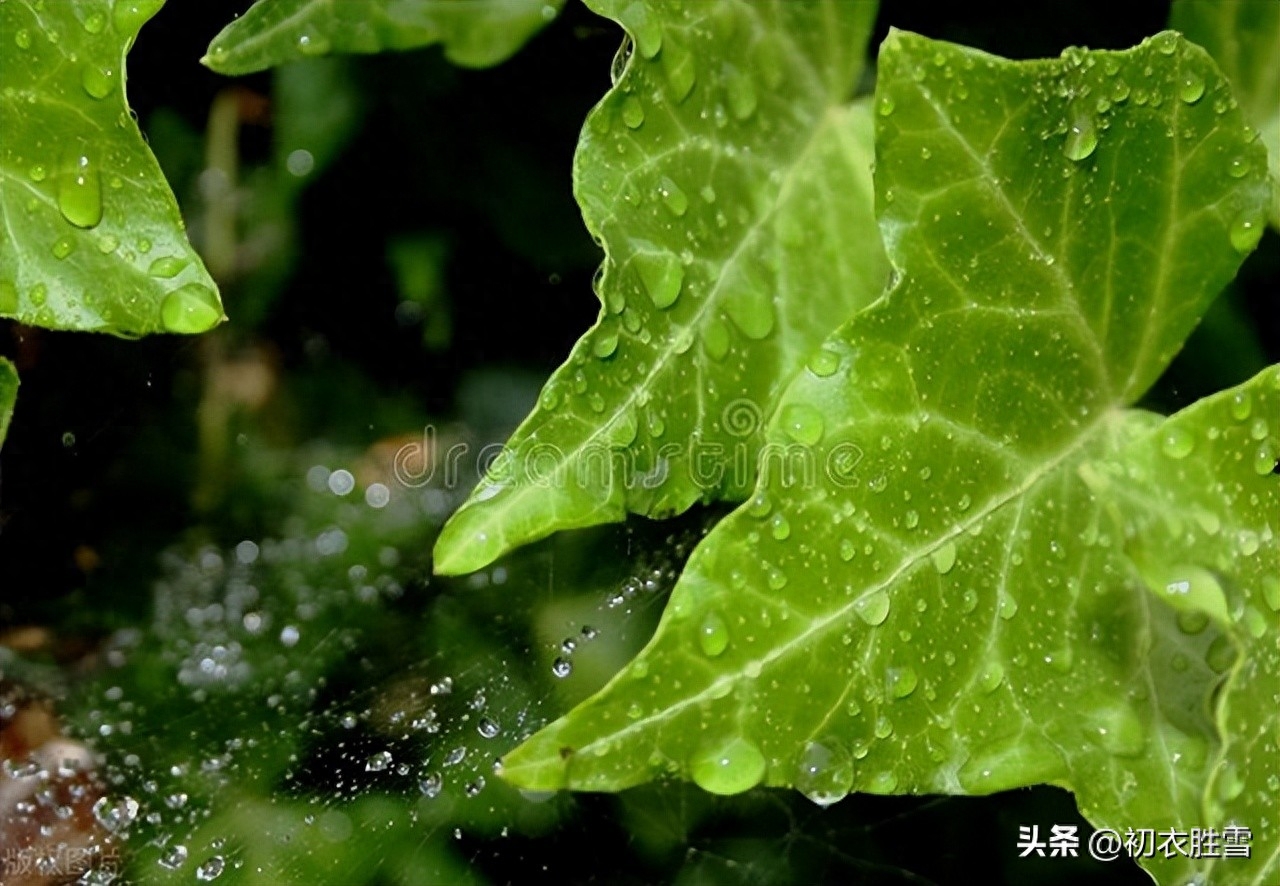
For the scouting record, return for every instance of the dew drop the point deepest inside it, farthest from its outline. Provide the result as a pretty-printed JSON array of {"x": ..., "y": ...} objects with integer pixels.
[
  {"x": 378, "y": 762},
  {"x": 802, "y": 423},
  {"x": 713, "y": 635},
  {"x": 190, "y": 309},
  {"x": 80, "y": 192},
  {"x": 715, "y": 339},
  {"x": 98, "y": 82},
  {"x": 672, "y": 197},
  {"x": 115, "y": 815},
  {"x": 1246, "y": 231},
  {"x": 1271, "y": 592},
  {"x": 901, "y": 681},
  {"x": 632, "y": 112},
  {"x": 944, "y": 557},
  {"x": 605, "y": 345},
  {"x": 886, "y": 106},
  {"x": 63, "y": 247},
  {"x": 174, "y": 857},
  {"x": 1008, "y": 606},
  {"x": 729, "y": 768},
  {"x": 824, "y": 363},
  {"x": 1241, "y": 405},
  {"x": 561, "y": 668},
  {"x": 681, "y": 72},
  {"x": 211, "y": 869},
  {"x": 882, "y": 783},
  {"x": 662, "y": 276},
  {"x": 22, "y": 37},
  {"x": 1082, "y": 139},
  {"x": 166, "y": 267},
  {"x": 1192, "y": 87},
  {"x": 1117, "y": 730},
  {"x": 823, "y": 775},
  {"x": 991, "y": 676},
  {"x": 779, "y": 527},
  {"x": 1238, "y": 167},
  {"x": 431, "y": 785},
  {"x": 873, "y": 609},
  {"x": 1264, "y": 460},
  {"x": 1177, "y": 442}
]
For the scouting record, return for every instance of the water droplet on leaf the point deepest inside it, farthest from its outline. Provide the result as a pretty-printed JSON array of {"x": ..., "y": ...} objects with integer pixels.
[
  {"x": 729, "y": 768},
  {"x": 1082, "y": 138},
  {"x": 662, "y": 276},
  {"x": 802, "y": 423},
  {"x": 190, "y": 309},
  {"x": 713, "y": 635},
  {"x": 873, "y": 609},
  {"x": 80, "y": 192}
]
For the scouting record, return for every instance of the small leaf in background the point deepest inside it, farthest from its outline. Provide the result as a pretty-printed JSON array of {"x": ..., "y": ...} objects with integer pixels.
[
  {"x": 8, "y": 394},
  {"x": 474, "y": 33},
  {"x": 942, "y": 602},
  {"x": 1243, "y": 36},
  {"x": 93, "y": 239},
  {"x": 727, "y": 175},
  {"x": 418, "y": 262}
]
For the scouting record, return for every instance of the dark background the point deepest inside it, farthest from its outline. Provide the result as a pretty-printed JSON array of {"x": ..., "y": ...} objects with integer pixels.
[{"x": 99, "y": 469}]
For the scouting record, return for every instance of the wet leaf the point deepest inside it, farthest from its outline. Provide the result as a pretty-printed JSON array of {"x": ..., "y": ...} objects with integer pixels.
[
  {"x": 474, "y": 33},
  {"x": 8, "y": 394},
  {"x": 1243, "y": 36},
  {"x": 1201, "y": 529},
  {"x": 944, "y": 594},
  {"x": 92, "y": 237},
  {"x": 727, "y": 176}
]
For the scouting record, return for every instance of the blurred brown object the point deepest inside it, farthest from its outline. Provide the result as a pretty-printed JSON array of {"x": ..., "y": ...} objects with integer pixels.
[{"x": 48, "y": 831}]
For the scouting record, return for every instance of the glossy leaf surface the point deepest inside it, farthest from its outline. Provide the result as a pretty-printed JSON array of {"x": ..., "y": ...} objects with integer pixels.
[
  {"x": 938, "y": 591},
  {"x": 92, "y": 236},
  {"x": 727, "y": 176},
  {"x": 1243, "y": 36},
  {"x": 474, "y": 33}
]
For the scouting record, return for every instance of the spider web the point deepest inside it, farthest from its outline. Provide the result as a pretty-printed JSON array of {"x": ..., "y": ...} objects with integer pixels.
[{"x": 312, "y": 706}]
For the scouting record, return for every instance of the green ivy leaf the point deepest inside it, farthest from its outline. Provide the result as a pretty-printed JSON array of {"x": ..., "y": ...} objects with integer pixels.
[
  {"x": 475, "y": 33},
  {"x": 1197, "y": 505},
  {"x": 8, "y": 395},
  {"x": 727, "y": 176},
  {"x": 1243, "y": 36},
  {"x": 935, "y": 598},
  {"x": 93, "y": 239}
]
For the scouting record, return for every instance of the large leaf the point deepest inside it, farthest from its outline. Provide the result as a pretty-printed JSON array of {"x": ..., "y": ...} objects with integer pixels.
[
  {"x": 474, "y": 33},
  {"x": 957, "y": 613},
  {"x": 92, "y": 237},
  {"x": 1198, "y": 507},
  {"x": 8, "y": 394},
  {"x": 1243, "y": 36},
  {"x": 728, "y": 178}
]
